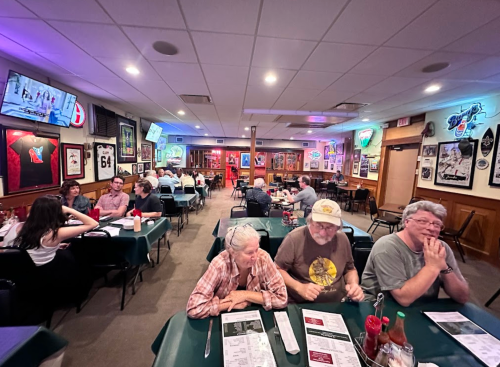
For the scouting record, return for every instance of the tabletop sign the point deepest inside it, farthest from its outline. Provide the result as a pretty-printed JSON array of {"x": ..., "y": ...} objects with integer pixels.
[
  {"x": 487, "y": 142},
  {"x": 405, "y": 121}
]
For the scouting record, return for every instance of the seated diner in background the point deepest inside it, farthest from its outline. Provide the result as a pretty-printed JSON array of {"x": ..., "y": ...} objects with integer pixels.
[
  {"x": 413, "y": 264},
  {"x": 198, "y": 178},
  {"x": 316, "y": 260},
  {"x": 259, "y": 196},
  {"x": 240, "y": 275},
  {"x": 148, "y": 204},
  {"x": 161, "y": 172},
  {"x": 187, "y": 180},
  {"x": 150, "y": 175},
  {"x": 307, "y": 197},
  {"x": 115, "y": 203},
  {"x": 41, "y": 236},
  {"x": 338, "y": 177},
  {"x": 70, "y": 191},
  {"x": 169, "y": 179}
]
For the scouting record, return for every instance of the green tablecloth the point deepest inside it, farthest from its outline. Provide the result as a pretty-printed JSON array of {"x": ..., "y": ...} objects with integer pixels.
[
  {"x": 135, "y": 246},
  {"x": 28, "y": 346},
  {"x": 277, "y": 232},
  {"x": 181, "y": 342},
  {"x": 202, "y": 190},
  {"x": 181, "y": 200}
]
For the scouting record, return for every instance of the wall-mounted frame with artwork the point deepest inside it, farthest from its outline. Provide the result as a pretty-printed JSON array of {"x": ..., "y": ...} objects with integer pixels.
[
  {"x": 126, "y": 140},
  {"x": 452, "y": 168},
  {"x": 72, "y": 157},
  {"x": 427, "y": 173},
  {"x": 325, "y": 164},
  {"x": 104, "y": 161},
  {"x": 140, "y": 167},
  {"x": 355, "y": 168},
  {"x": 429, "y": 150},
  {"x": 245, "y": 160},
  {"x": 314, "y": 164},
  {"x": 374, "y": 164},
  {"x": 495, "y": 161},
  {"x": 146, "y": 152},
  {"x": 134, "y": 168},
  {"x": 147, "y": 166}
]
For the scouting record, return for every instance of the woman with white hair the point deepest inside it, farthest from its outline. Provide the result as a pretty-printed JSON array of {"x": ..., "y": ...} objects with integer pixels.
[
  {"x": 239, "y": 276},
  {"x": 151, "y": 177},
  {"x": 256, "y": 193}
]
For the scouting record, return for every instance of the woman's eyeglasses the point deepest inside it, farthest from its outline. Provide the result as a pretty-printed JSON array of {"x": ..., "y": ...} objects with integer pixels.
[{"x": 235, "y": 229}]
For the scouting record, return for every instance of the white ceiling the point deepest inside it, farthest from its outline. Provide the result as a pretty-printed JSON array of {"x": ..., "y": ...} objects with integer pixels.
[{"x": 323, "y": 52}]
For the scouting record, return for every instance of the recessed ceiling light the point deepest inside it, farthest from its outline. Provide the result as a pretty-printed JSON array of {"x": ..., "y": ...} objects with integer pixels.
[
  {"x": 181, "y": 112},
  {"x": 197, "y": 126},
  {"x": 365, "y": 120},
  {"x": 165, "y": 48},
  {"x": 206, "y": 134},
  {"x": 432, "y": 88},
  {"x": 242, "y": 136},
  {"x": 291, "y": 138},
  {"x": 246, "y": 128},
  {"x": 270, "y": 79},
  {"x": 309, "y": 131},
  {"x": 132, "y": 70}
]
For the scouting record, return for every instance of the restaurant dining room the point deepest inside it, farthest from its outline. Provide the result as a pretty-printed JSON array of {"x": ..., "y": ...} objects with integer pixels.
[{"x": 249, "y": 183}]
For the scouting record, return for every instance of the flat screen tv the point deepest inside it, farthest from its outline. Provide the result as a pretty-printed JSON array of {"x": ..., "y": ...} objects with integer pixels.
[
  {"x": 30, "y": 99},
  {"x": 161, "y": 144},
  {"x": 154, "y": 133}
]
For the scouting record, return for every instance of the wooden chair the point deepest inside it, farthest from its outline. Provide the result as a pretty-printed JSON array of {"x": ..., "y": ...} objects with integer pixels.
[{"x": 456, "y": 234}]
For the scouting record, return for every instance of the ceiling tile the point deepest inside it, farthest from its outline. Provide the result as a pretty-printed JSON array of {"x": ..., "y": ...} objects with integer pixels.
[
  {"x": 178, "y": 72},
  {"x": 144, "y": 38},
  {"x": 35, "y": 62},
  {"x": 389, "y": 60},
  {"x": 369, "y": 97},
  {"x": 395, "y": 85},
  {"x": 99, "y": 40},
  {"x": 264, "y": 120},
  {"x": 295, "y": 98},
  {"x": 281, "y": 53},
  {"x": 223, "y": 49},
  {"x": 456, "y": 60},
  {"x": 7, "y": 46},
  {"x": 182, "y": 87},
  {"x": 355, "y": 82},
  {"x": 478, "y": 70},
  {"x": 483, "y": 40},
  {"x": 227, "y": 94},
  {"x": 327, "y": 100},
  {"x": 118, "y": 66},
  {"x": 290, "y": 18},
  {"x": 204, "y": 113},
  {"x": 283, "y": 76},
  {"x": 225, "y": 74},
  {"x": 437, "y": 27},
  {"x": 314, "y": 79},
  {"x": 336, "y": 57},
  {"x": 87, "y": 10},
  {"x": 374, "y": 22},
  {"x": 261, "y": 96},
  {"x": 80, "y": 64},
  {"x": 11, "y": 8},
  {"x": 151, "y": 13},
  {"x": 235, "y": 16}
]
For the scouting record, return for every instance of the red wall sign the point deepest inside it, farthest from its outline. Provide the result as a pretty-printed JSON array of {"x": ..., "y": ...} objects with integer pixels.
[{"x": 79, "y": 115}]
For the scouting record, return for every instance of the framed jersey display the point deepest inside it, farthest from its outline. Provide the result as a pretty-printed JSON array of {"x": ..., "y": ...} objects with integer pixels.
[
  {"x": 72, "y": 161},
  {"x": 30, "y": 162},
  {"x": 126, "y": 141},
  {"x": 104, "y": 161}
]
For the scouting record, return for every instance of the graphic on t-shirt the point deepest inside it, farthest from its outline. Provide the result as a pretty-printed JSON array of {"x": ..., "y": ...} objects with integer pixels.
[
  {"x": 36, "y": 155},
  {"x": 323, "y": 272}
]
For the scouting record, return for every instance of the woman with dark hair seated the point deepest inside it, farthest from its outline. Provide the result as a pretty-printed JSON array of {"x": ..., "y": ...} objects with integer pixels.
[
  {"x": 70, "y": 191},
  {"x": 41, "y": 235},
  {"x": 149, "y": 205}
]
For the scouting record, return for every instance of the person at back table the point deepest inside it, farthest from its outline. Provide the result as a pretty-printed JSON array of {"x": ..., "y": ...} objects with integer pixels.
[
  {"x": 70, "y": 191},
  {"x": 239, "y": 276},
  {"x": 41, "y": 236},
  {"x": 258, "y": 195},
  {"x": 338, "y": 177},
  {"x": 161, "y": 173},
  {"x": 306, "y": 197},
  {"x": 115, "y": 203},
  {"x": 151, "y": 177},
  {"x": 316, "y": 260},
  {"x": 413, "y": 264},
  {"x": 169, "y": 180},
  {"x": 149, "y": 204},
  {"x": 187, "y": 180},
  {"x": 198, "y": 178}
]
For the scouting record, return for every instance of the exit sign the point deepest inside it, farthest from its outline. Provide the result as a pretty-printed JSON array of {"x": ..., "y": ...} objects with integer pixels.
[{"x": 405, "y": 121}]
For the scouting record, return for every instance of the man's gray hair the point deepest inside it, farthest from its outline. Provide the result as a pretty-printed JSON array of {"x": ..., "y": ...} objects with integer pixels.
[
  {"x": 150, "y": 172},
  {"x": 427, "y": 206},
  {"x": 259, "y": 183},
  {"x": 237, "y": 237}
]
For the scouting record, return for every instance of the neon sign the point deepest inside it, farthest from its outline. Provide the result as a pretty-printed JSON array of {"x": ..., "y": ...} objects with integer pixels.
[
  {"x": 463, "y": 122},
  {"x": 365, "y": 137},
  {"x": 314, "y": 155}
]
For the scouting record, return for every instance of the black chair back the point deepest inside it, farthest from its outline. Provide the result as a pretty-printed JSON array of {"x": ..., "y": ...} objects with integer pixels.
[
  {"x": 349, "y": 232},
  {"x": 165, "y": 189},
  {"x": 278, "y": 179},
  {"x": 239, "y": 182},
  {"x": 276, "y": 213},
  {"x": 331, "y": 186},
  {"x": 373, "y": 207},
  {"x": 238, "y": 212},
  {"x": 465, "y": 224},
  {"x": 265, "y": 242},
  {"x": 7, "y": 302},
  {"x": 307, "y": 211},
  {"x": 415, "y": 199},
  {"x": 254, "y": 210},
  {"x": 361, "y": 194},
  {"x": 169, "y": 207},
  {"x": 189, "y": 190},
  {"x": 16, "y": 265},
  {"x": 360, "y": 253}
]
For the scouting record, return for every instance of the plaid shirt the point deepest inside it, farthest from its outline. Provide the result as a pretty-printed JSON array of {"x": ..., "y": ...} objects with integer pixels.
[
  {"x": 222, "y": 277},
  {"x": 113, "y": 202}
]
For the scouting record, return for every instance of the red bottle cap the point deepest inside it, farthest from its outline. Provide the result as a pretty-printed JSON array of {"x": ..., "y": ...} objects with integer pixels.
[
  {"x": 385, "y": 320},
  {"x": 373, "y": 325}
]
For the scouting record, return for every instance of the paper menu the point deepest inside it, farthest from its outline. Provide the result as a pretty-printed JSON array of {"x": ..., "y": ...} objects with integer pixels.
[
  {"x": 127, "y": 220},
  {"x": 244, "y": 340},
  {"x": 481, "y": 344},
  {"x": 328, "y": 340}
]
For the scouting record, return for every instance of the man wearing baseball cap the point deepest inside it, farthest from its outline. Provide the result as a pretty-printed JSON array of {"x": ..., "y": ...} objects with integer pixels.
[{"x": 316, "y": 260}]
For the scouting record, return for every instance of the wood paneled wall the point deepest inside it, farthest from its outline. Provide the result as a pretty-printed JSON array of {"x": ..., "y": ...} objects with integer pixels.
[{"x": 480, "y": 239}]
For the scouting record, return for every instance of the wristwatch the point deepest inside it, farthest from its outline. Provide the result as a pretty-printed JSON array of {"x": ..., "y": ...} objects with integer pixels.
[{"x": 447, "y": 270}]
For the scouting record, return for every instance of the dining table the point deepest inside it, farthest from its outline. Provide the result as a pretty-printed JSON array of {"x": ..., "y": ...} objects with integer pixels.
[
  {"x": 392, "y": 208},
  {"x": 350, "y": 190},
  {"x": 182, "y": 341},
  {"x": 182, "y": 200}
]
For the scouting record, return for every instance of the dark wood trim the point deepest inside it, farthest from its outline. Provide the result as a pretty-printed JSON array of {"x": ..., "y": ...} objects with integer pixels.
[{"x": 409, "y": 140}]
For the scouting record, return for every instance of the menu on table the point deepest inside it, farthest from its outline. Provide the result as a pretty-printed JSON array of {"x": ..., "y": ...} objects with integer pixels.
[
  {"x": 244, "y": 340},
  {"x": 479, "y": 342},
  {"x": 328, "y": 340}
]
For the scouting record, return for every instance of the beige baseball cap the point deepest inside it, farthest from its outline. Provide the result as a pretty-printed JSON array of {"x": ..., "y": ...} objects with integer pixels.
[{"x": 328, "y": 211}]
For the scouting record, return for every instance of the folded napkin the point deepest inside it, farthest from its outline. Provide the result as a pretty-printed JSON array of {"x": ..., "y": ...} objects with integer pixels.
[{"x": 286, "y": 332}]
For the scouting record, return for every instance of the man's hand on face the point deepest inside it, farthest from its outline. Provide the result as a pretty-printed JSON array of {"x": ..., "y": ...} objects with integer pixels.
[
  {"x": 310, "y": 291},
  {"x": 435, "y": 254}
]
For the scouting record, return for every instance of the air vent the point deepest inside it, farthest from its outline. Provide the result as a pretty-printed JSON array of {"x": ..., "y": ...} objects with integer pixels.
[
  {"x": 219, "y": 141},
  {"x": 179, "y": 139},
  {"x": 195, "y": 99},
  {"x": 259, "y": 142},
  {"x": 305, "y": 145},
  {"x": 349, "y": 106},
  {"x": 302, "y": 125}
]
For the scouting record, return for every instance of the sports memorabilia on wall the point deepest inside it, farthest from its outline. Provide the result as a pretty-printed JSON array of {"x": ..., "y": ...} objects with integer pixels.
[
  {"x": 454, "y": 168},
  {"x": 104, "y": 161},
  {"x": 495, "y": 161},
  {"x": 72, "y": 161},
  {"x": 147, "y": 166},
  {"x": 146, "y": 152},
  {"x": 364, "y": 166},
  {"x": 482, "y": 164},
  {"x": 140, "y": 167},
  {"x": 487, "y": 142},
  {"x": 429, "y": 150},
  {"x": 30, "y": 162},
  {"x": 126, "y": 141},
  {"x": 427, "y": 173}
]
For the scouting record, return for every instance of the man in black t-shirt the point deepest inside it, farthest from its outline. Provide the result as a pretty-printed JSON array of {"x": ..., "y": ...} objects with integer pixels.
[{"x": 147, "y": 203}]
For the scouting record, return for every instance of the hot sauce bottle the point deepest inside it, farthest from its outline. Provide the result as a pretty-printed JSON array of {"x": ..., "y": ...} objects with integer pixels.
[
  {"x": 397, "y": 332},
  {"x": 383, "y": 338}
]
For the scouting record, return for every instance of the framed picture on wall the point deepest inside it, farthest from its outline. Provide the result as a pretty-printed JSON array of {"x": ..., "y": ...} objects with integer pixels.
[
  {"x": 355, "y": 168},
  {"x": 134, "y": 168},
  {"x": 325, "y": 165},
  {"x": 454, "y": 168},
  {"x": 146, "y": 152},
  {"x": 314, "y": 164},
  {"x": 427, "y": 173},
  {"x": 356, "y": 155},
  {"x": 327, "y": 151},
  {"x": 374, "y": 165},
  {"x": 140, "y": 167},
  {"x": 340, "y": 149},
  {"x": 30, "y": 162},
  {"x": 147, "y": 166},
  {"x": 72, "y": 161},
  {"x": 429, "y": 150},
  {"x": 245, "y": 160},
  {"x": 495, "y": 161},
  {"x": 339, "y": 160},
  {"x": 104, "y": 161},
  {"x": 331, "y": 166},
  {"x": 126, "y": 140}
]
